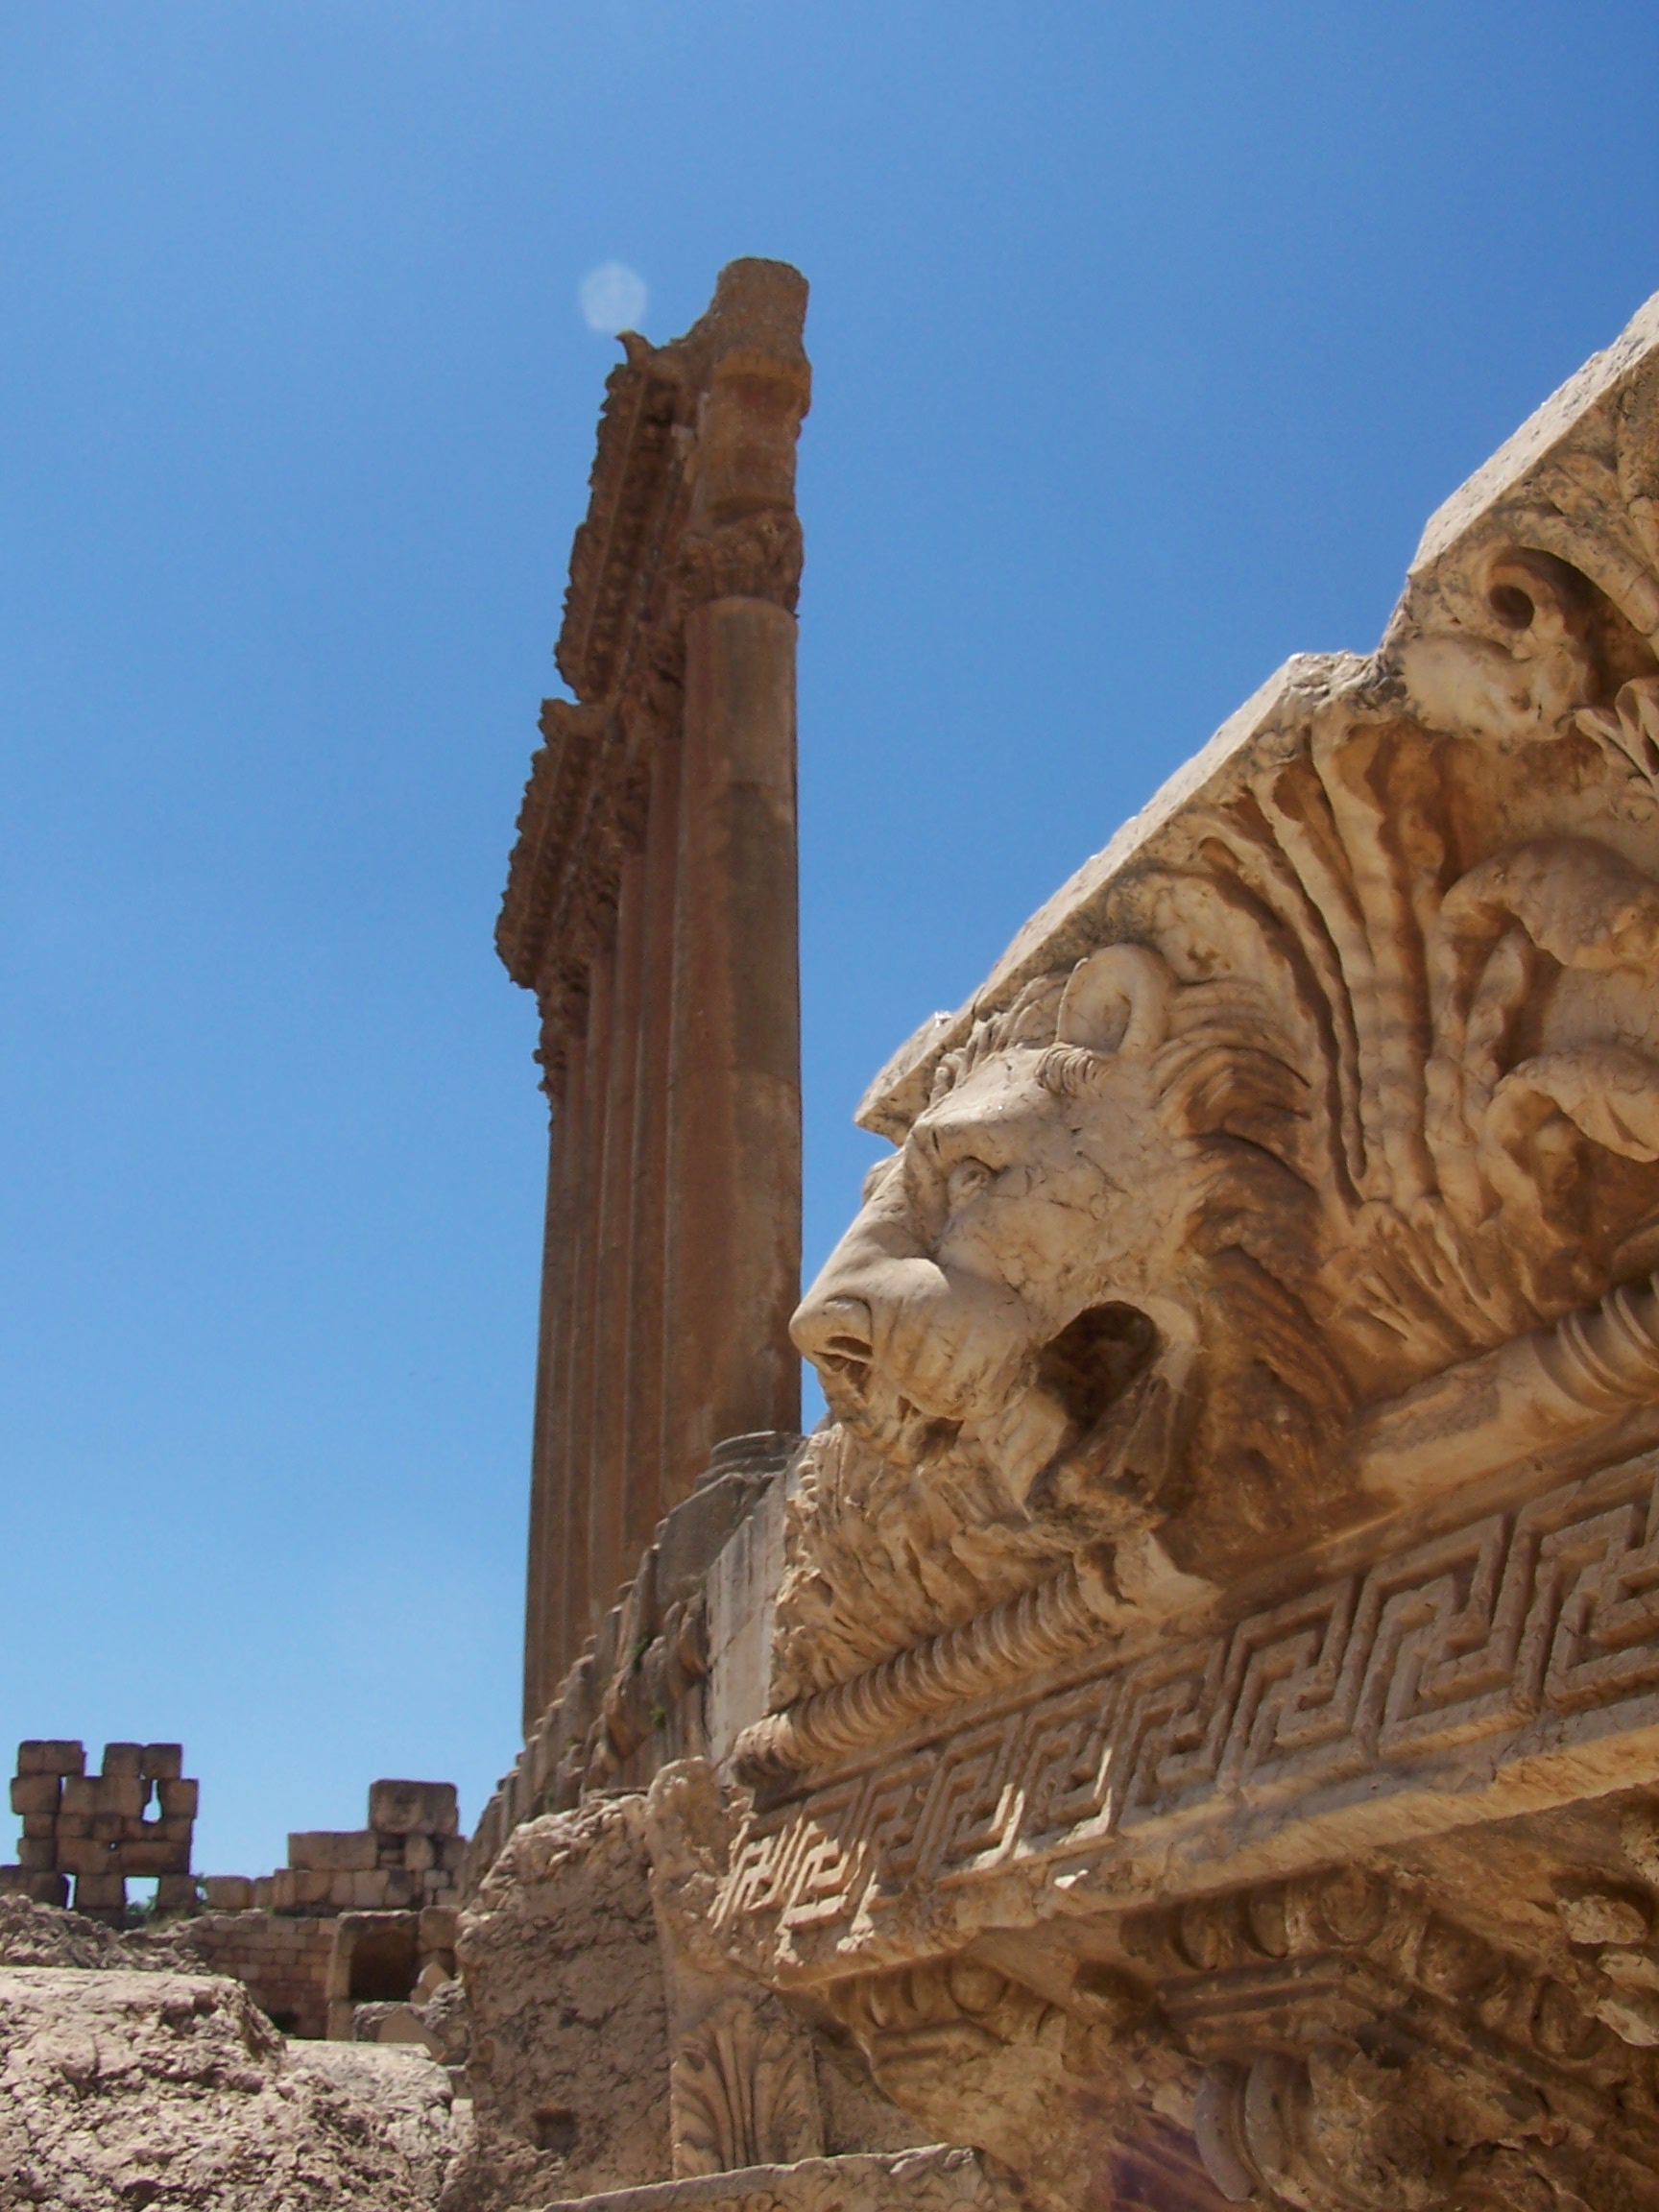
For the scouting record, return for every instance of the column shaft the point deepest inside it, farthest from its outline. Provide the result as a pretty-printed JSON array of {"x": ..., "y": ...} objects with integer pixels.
[
  {"x": 647, "y": 1498},
  {"x": 608, "y": 1473},
  {"x": 734, "y": 1085},
  {"x": 545, "y": 1632},
  {"x": 582, "y": 1371}
]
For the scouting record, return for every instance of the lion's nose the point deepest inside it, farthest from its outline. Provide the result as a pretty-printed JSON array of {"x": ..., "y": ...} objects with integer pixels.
[{"x": 837, "y": 1335}]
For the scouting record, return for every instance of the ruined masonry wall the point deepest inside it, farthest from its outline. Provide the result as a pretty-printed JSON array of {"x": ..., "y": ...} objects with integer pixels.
[
  {"x": 133, "y": 1820},
  {"x": 282, "y": 1963}
]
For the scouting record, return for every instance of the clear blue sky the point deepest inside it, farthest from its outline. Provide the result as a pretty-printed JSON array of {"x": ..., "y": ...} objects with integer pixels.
[{"x": 1146, "y": 336}]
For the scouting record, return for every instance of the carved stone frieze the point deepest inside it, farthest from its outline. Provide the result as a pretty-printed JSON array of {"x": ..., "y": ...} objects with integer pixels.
[
  {"x": 1509, "y": 1661},
  {"x": 1365, "y": 2052},
  {"x": 1336, "y": 1074},
  {"x": 1215, "y": 1730},
  {"x": 1336, "y": 2043}
]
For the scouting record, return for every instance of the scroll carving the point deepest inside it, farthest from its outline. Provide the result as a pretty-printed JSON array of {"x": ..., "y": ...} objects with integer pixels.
[{"x": 1365, "y": 2052}]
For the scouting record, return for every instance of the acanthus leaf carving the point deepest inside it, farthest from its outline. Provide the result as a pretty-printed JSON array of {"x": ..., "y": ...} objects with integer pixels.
[{"x": 742, "y": 2090}]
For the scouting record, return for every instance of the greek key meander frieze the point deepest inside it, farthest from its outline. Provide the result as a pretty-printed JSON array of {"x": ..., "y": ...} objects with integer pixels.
[{"x": 1507, "y": 1647}]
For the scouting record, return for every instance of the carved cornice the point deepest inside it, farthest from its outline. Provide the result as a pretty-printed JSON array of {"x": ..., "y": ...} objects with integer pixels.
[
  {"x": 1508, "y": 1664},
  {"x": 1340, "y": 2041},
  {"x": 1352, "y": 2032},
  {"x": 691, "y": 497},
  {"x": 1550, "y": 1388},
  {"x": 1576, "y": 487}
]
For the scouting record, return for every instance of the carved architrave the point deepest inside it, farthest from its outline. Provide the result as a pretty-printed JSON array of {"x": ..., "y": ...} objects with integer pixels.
[
  {"x": 1335, "y": 1076},
  {"x": 1231, "y": 1577},
  {"x": 1510, "y": 1663}
]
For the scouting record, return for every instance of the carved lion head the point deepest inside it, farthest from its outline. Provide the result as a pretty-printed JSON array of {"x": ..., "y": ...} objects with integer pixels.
[{"x": 1084, "y": 1269}]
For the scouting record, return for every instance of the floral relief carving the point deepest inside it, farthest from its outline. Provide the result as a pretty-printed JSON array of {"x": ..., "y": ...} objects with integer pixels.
[{"x": 742, "y": 2091}]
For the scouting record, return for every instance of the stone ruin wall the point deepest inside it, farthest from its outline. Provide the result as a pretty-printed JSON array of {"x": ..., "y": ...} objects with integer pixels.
[
  {"x": 132, "y": 1820},
  {"x": 358, "y": 1917}
]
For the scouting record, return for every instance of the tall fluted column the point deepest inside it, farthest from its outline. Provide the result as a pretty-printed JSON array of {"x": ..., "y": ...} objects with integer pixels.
[
  {"x": 651, "y": 905},
  {"x": 585, "y": 1372},
  {"x": 607, "y": 1471},
  {"x": 643, "y": 1444},
  {"x": 735, "y": 1082},
  {"x": 545, "y": 1621}
]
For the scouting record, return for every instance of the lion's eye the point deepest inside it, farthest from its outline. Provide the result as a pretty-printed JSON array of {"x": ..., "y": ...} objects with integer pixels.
[{"x": 967, "y": 1179}]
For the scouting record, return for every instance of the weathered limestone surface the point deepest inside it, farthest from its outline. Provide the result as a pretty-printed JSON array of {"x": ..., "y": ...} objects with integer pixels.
[
  {"x": 569, "y": 2055},
  {"x": 120, "y": 2088},
  {"x": 936, "y": 2179},
  {"x": 611, "y": 2043},
  {"x": 32, "y": 1934}
]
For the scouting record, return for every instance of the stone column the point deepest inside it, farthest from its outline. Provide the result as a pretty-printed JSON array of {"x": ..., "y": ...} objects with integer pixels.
[
  {"x": 585, "y": 1376},
  {"x": 734, "y": 1254},
  {"x": 651, "y": 906},
  {"x": 544, "y": 1625},
  {"x": 643, "y": 1393},
  {"x": 540, "y": 1632},
  {"x": 734, "y": 1080},
  {"x": 608, "y": 1470}
]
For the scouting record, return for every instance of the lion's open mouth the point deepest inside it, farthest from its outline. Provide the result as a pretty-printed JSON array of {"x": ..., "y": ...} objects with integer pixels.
[{"x": 1089, "y": 1365}]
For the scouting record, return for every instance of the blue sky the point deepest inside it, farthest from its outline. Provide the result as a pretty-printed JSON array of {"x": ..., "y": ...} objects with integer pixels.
[{"x": 1145, "y": 338}]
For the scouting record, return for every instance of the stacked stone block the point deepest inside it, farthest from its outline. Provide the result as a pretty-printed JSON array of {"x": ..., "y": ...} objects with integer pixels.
[
  {"x": 387, "y": 1960},
  {"x": 408, "y": 1856},
  {"x": 134, "y": 1819}
]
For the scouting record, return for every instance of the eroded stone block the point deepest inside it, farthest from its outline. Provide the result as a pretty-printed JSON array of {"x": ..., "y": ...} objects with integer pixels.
[
  {"x": 569, "y": 2066},
  {"x": 36, "y": 1794},
  {"x": 334, "y": 1851},
  {"x": 43, "y": 1756},
  {"x": 120, "y": 1793},
  {"x": 229, "y": 1893},
  {"x": 413, "y": 1807}
]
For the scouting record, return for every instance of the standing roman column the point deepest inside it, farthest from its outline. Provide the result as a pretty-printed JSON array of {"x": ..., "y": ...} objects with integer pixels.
[
  {"x": 734, "y": 1085},
  {"x": 672, "y": 983},
  {"x": 733, "y": 1258},
  {"x": 608, "y": 1469}
]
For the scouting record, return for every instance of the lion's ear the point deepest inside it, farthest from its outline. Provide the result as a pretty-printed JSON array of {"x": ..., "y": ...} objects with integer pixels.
[{"x": 1117, "y": 1000}]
